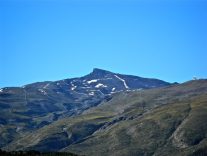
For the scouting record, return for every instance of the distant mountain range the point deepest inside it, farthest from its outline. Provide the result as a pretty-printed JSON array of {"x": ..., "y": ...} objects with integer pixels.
[{"x": 105, "y": 113}]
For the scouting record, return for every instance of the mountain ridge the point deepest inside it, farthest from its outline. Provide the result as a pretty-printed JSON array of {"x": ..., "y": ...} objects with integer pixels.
[{"x": 95, "y": 71}]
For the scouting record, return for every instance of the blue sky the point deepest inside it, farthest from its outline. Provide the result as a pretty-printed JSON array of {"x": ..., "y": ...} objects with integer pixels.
[{"x": 56, "y": 39}]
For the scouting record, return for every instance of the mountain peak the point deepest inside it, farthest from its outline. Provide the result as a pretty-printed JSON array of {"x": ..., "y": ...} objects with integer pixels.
[{"x": 98, "y": 70}]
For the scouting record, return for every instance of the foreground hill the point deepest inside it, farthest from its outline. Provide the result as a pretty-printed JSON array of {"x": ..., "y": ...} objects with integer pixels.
[{"x": 163, "y": 121}]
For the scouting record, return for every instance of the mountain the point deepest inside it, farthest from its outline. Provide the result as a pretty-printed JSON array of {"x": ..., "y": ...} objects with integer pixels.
[
  {"x": 87, "y": 116},
  {"x": 163, "y": 121},
  {"x": 31, "y": 107}
]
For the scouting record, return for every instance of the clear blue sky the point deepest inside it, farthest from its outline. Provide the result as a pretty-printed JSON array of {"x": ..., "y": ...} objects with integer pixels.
[{"x": 56, "y": 39}]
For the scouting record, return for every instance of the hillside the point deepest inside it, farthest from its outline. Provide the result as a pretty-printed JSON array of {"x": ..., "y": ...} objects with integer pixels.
[{"x": 162, "y": 121}]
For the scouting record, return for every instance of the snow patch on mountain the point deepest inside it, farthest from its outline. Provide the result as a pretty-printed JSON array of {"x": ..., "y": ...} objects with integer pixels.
[
  {"x": 85, "y": 87},
  {"x": 73, "y": 86},
  {"x": 91, "y": 93},
  {"x": 46, "y": 85},
  {"x": 42, "y": 91},
  {"x": 92, "y": 81},
  {"x": 100, "y": 85},
  {"x": 122, "y": 81}
]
